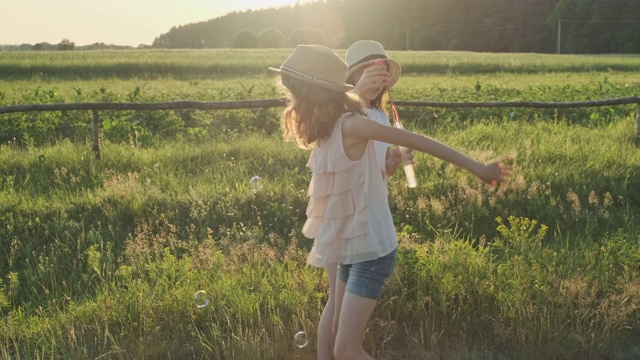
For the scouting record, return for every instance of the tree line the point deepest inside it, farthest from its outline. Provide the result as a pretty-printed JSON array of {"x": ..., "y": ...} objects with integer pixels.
[
  {"x": 65, "y": 45},
  {"x": 544, "y": 26},
  {"x": 580, "y": 26}
]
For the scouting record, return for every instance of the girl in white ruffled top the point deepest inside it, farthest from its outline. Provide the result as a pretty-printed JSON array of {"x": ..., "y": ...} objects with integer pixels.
[{"x": 348, "y": 213}]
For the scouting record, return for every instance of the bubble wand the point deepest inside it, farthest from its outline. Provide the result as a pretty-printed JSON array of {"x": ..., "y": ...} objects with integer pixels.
[{"x": 404, "y": 152}]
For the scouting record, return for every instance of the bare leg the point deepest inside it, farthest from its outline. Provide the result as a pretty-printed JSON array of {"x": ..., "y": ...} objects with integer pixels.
[
  {"x": 353, "y": 317},
  {"x": 340, "y": 289},
  {"x": 326, "y": 334}
]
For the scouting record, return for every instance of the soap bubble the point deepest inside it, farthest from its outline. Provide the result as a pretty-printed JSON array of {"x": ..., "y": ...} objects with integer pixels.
[
  {"x": 201, "y": 299},
  {"x": 300, "y": 339},
  {"x": 256, "y": 184}
]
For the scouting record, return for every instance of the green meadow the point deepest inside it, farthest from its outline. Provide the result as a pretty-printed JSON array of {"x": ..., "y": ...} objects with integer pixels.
[{"x": 100, "y": 259}]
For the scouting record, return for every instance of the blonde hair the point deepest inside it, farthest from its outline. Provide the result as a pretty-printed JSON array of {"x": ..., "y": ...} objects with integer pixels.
[{"x": 313, "y": 111}]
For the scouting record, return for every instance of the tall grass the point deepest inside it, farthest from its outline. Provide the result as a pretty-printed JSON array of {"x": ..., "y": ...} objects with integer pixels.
[{"x": 103, "y": 258}]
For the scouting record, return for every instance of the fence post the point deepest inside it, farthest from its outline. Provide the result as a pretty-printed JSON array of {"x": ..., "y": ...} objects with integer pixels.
[{"x": 96, "y": 133}]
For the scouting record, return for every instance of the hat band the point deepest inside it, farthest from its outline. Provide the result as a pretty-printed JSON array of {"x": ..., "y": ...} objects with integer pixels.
[
  {"x": 367, "y": 58},
  {"x": 305, "y": 75}
]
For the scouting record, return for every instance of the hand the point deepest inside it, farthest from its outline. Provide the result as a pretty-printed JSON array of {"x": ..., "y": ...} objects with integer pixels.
[
  {"x": 495, "y": 171},
  {"x": 395, "y": 158},
  {"x": 372, "y": 82}
]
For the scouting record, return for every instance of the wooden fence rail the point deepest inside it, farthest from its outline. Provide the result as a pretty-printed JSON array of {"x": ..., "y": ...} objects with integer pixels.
[{"x": 269, "y": 103}]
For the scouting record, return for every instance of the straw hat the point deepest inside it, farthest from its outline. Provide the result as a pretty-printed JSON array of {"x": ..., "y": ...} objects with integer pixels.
[
  {"x": 317, "y": 65},
  {"x": 364, "y": 53}
]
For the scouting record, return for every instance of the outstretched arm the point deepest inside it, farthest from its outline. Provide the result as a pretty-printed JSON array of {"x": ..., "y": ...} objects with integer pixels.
[{"x": 357, "y": 130}]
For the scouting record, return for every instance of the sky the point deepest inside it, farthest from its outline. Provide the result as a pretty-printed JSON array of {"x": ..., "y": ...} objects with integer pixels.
[{"x": 117, "y": 22}]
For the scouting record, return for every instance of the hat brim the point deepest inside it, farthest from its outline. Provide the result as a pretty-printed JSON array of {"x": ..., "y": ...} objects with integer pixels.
[
  {"x": 394, "y": 69},
  {"x": 333, "y": 87}
]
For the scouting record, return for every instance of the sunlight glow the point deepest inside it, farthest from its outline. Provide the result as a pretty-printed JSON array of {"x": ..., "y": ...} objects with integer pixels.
[{"x": 120, "y": 22}]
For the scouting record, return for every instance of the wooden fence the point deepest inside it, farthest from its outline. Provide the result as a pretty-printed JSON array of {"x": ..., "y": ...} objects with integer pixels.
[{"x": 269, "y": 103}]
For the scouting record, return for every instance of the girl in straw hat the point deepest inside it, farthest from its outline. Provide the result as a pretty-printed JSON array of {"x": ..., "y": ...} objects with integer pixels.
[
  {"x": 348, "y": 213},
  {"x": 370, "y": 82}
]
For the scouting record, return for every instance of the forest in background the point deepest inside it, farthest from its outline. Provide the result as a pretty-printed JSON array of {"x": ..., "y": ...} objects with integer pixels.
[
  {"x": 586, "y": 26},
  {"x": 538, "y": 26}
]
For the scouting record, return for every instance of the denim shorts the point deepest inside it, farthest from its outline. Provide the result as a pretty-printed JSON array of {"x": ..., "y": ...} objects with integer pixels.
[{"x": 367, "y": 278}]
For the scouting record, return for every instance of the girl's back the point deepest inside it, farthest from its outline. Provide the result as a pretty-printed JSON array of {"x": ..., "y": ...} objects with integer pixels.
[{"x": 348, "y": 212}]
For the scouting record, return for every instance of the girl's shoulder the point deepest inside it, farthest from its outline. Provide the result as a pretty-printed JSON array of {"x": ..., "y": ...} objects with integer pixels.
[
  {"x": 355, "y": 122},
  {"x": 335, "y": 136}
]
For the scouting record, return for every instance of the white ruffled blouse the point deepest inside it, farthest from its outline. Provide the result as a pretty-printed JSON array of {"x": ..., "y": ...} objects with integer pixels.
[{"x": 348, "y": 214}]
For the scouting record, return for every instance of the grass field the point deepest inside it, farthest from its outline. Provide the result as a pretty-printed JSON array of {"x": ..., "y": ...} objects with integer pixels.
[{"x": 101, "y": 259}]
